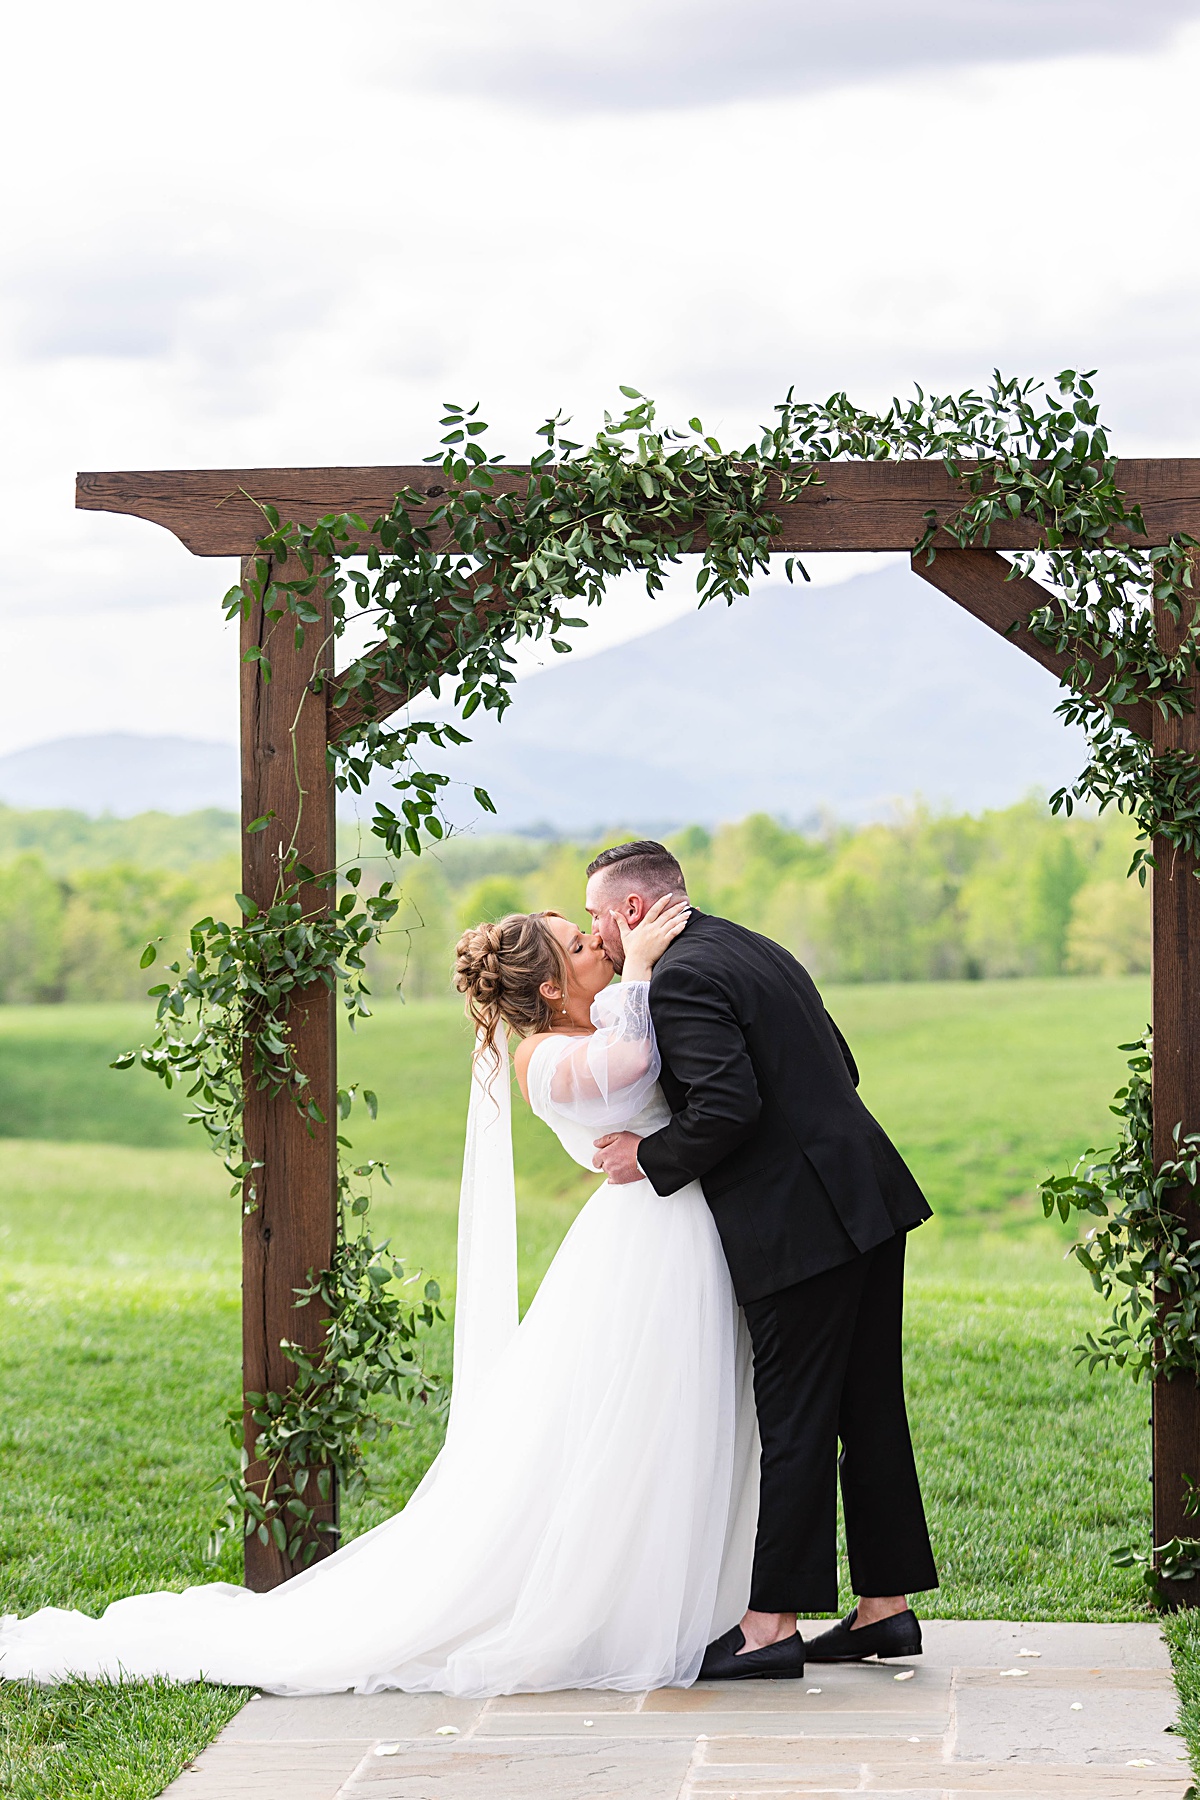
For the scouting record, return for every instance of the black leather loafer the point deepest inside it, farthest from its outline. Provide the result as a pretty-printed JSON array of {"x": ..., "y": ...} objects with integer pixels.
[
  {"x": 776, "y": 1662},
  {"x": 898, "y": 1636}
]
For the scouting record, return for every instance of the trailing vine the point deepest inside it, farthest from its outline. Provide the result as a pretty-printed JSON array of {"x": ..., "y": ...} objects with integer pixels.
[
  {"x": 1144, "y": 1262},
  {"x": 232, "y": 996},
  {"x": 1141, "y": 1259},
  {"x": 318, "y": 1430},
  {"x": 501, "y": 557}
]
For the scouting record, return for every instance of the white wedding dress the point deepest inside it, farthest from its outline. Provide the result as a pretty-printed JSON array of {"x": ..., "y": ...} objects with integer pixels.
[{"x": 590, "y": 1521}]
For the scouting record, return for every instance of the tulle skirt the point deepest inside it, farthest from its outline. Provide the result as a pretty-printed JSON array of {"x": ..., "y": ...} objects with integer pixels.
[{"x": 590, "y": 1524}]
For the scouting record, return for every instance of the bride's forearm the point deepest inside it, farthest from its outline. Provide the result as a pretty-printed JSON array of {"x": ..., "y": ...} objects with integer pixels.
[{"x": 636, "y": 971}]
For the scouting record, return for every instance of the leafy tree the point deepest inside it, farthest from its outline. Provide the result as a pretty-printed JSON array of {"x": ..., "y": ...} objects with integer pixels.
[
  {"x": 110, "y": 914},
  {"x": 490, "y": 899},
  {"x": 31, "y": 950},
  {"x": 1109, "y": 933}
]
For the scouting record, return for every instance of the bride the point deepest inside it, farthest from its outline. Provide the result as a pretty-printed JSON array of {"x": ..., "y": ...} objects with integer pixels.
[{"x": 590, "y": 1521}]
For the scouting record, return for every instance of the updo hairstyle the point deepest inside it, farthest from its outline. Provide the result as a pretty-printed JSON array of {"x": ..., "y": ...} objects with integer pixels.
[{"x": 501, "y": 967}]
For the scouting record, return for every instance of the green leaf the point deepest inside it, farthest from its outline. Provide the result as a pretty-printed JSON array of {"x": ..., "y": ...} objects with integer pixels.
[{"x": 148, "y": 956}]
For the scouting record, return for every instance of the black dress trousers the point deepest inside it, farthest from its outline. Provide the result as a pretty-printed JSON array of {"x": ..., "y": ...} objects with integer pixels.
[{"x": 827, "y": 1365}]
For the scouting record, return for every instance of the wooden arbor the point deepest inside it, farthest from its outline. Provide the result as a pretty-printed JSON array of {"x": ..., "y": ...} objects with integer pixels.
[{"x": 286, "y": 726}]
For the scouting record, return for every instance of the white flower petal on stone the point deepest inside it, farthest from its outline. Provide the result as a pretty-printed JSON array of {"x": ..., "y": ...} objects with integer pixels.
[
  {"x": 589, "y": 1721},
  {"x": 812, "y": 1690},
  {"x": 387, "y": 1749},
  {"x": 447, "y": 1731},
  {"x": 1029, "y": 1653},
  {"x": 904, "y": 1675},
  {"x": 1014, "y": 1672},
  {"x": 1140, "y": 1762},
  {"x": 914, "y": 1740},
  {"x": 1077, "y": 1706}
]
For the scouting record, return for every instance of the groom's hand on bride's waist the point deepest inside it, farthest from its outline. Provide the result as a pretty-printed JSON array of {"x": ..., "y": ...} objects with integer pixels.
[{"x": 617, "y": 1155}]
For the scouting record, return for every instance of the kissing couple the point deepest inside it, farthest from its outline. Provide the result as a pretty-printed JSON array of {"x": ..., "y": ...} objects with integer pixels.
[{"x": 638, "y": 1484}]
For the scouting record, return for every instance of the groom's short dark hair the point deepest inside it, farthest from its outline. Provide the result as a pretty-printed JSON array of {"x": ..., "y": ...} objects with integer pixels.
[{"x": 647, "y": 866}]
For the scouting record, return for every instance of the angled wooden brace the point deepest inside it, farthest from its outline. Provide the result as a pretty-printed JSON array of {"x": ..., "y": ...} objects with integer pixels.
[{"x": 982, "y": 582}]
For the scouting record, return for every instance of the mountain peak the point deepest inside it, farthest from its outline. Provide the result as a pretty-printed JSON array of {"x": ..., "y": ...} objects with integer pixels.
[{"x": 796, "y": 701}]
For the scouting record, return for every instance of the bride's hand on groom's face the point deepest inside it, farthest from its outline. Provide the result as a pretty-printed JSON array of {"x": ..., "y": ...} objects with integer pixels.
[
  {"x": 616, "y": 1155},
  {"x": 645, "y": 942}
]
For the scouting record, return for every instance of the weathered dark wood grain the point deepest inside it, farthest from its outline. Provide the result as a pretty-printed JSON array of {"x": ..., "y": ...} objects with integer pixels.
[
  {"x": 291, "y": 1232},
  {"x": 1176, "y": 990},
  {"x": 859, "y": 506},
  {"x": 981, "y": 582}
]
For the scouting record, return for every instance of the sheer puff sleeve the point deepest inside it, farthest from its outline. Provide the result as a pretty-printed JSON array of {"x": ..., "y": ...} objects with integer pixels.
[{"x": 604, "y": 1080}]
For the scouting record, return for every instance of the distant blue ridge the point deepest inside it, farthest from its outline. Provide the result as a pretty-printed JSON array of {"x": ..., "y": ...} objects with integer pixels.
[{"x": 795, "y": 701}]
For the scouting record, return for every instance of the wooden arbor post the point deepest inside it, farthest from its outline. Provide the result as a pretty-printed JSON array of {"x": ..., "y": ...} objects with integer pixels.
[
  {"x": 1176, "y": 981},
  {"x": 855, "y": 506},
  {"x": 290, "y": 1232}
]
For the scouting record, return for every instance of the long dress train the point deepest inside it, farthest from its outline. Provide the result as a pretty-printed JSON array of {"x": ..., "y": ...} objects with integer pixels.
[{"x": 590, "y": 1521}]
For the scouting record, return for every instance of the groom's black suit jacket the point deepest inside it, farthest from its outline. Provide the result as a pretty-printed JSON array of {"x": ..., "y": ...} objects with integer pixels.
[{"x": 763, "y": 1090}]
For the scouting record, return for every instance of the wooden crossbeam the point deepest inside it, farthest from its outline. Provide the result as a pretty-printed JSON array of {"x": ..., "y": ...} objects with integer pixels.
[
  {"x": 856, "y": 506},
  {"x": 984, "y": 585}
]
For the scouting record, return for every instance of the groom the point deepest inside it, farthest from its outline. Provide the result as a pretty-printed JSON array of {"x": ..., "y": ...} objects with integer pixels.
[{"x": 812, "y": 1202}]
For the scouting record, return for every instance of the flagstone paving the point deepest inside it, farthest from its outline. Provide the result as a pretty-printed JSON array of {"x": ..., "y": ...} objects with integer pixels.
[{"x": 1024, "y": 1712}]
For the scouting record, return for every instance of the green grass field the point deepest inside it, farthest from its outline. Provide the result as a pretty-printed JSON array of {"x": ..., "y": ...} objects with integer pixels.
[{"x": 119, "y": 1319}]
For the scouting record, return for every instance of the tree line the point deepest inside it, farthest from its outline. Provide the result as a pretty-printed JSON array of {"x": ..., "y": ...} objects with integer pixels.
[{"x": 924, "y": 897}]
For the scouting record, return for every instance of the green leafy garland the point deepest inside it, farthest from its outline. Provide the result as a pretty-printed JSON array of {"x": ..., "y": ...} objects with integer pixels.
[
  {"x": 503, "y": 557},
  {"x": 1141, "y": 1259},
  {"x": 1145, "y": 1264},
  {"x": 369, "y": 1354}
]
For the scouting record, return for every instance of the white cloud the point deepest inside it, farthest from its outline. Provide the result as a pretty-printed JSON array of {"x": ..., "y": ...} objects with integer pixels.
[{"x": 636, "y": 54}]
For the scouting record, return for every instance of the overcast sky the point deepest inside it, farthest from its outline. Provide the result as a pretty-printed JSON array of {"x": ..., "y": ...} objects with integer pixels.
[{"x": 284, "y": 233}]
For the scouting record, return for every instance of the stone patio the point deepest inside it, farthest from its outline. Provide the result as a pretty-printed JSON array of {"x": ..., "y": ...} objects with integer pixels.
[{"x": 1043, "y": 1712}]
